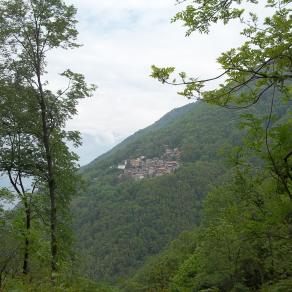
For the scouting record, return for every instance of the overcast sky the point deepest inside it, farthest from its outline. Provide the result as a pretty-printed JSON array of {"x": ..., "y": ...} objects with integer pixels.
[{"x": 121, "y": 40}]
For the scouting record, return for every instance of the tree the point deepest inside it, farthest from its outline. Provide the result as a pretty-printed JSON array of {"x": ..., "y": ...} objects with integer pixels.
[
  {"x": 244, "y": 241},
  {"x": 261, "y": 67},
  {"x": 29, "y": 29},
  {"x": 20, "y": 158},
  {"x": 9, "y": 254}
]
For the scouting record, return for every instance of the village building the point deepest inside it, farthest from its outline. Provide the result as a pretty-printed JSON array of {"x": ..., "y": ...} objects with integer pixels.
[{"x": 142, "y": 167}]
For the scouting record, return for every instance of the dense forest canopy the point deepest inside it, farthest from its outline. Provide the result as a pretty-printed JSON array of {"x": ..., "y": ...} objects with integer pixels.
[{"x": 220, "y": 222}]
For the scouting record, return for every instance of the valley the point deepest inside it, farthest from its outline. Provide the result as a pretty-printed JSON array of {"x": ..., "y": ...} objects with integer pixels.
[{"x": 200, "y": 200}]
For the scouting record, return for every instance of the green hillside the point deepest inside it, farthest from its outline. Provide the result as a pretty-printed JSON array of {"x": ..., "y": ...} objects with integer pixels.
[
  {"x": 200, "y": 201},
  {"x": 121, "y": 223}
]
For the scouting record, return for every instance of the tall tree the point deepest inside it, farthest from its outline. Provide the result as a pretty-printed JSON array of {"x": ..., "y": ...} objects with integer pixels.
[
  {"x": 29, "y": 29},
  {"x": 20, "y": 158}
]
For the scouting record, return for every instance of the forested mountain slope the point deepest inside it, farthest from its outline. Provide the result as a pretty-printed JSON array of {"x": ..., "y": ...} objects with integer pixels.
[{"x": 120, "y": 223}]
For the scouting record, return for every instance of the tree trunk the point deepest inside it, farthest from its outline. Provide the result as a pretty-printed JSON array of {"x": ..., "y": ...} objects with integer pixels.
[
  {"x": 54, "y": 248},
  {"x": 46, "y": 133},
  {"x": 50, "y": 178},
  {"x": 52, "y": 192},
  {"x": 27, "y": 242}
]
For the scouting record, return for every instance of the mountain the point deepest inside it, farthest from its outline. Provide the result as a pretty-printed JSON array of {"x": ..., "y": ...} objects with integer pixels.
[
  {"x": 120, "y": 223},
  {"x": 117, "y": 152}
]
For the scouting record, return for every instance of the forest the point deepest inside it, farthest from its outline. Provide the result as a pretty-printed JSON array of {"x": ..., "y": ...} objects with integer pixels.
[{"x": 222, "y": 221}]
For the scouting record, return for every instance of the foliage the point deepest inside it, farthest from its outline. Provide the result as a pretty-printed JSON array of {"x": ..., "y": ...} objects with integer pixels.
[
  {"x": 33, "y": 138},
  {"x": 125, "y": 229},
  {"x": 261, "y": 63},
  {"x": 244, "y": 241},
  {"x": 129, "y": 221},
  {"x": 157, "y": 272}
]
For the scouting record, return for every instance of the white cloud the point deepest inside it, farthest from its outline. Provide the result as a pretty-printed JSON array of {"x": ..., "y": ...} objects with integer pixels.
[{"x": 122, "y": 39}]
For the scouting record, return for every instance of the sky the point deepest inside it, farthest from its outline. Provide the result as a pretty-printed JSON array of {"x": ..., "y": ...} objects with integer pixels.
[{"x": 121, "y": 40}]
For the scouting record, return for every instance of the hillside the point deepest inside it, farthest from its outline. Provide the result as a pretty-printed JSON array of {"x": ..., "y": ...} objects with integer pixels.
[{"x": 121, "y": 223}]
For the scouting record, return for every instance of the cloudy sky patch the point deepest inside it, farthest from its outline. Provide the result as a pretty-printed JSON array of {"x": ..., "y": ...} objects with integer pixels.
[{"x": 121, "y": 40}]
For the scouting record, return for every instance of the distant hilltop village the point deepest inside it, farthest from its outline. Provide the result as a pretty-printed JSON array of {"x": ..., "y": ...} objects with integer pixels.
[{"x": 143, "y": 167}]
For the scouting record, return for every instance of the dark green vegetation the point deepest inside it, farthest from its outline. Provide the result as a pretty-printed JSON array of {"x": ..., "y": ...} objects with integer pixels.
[
  {"x": 120, "y": 224},
  {"x": 244, "y": 240},
  {"x": 221, "y": 222}
]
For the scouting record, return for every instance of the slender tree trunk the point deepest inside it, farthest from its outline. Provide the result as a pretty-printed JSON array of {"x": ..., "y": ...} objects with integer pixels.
[
  {"x": 52, "y": 190},
  {"x": 50, "y": 178},
  {"x": 27, "y": 242},
  {"x": 1, "y": 281},
  {"x": 22, "y": 194},
  {"x": 49, "y": 157},
  {"x": 54, "y": 247}
]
